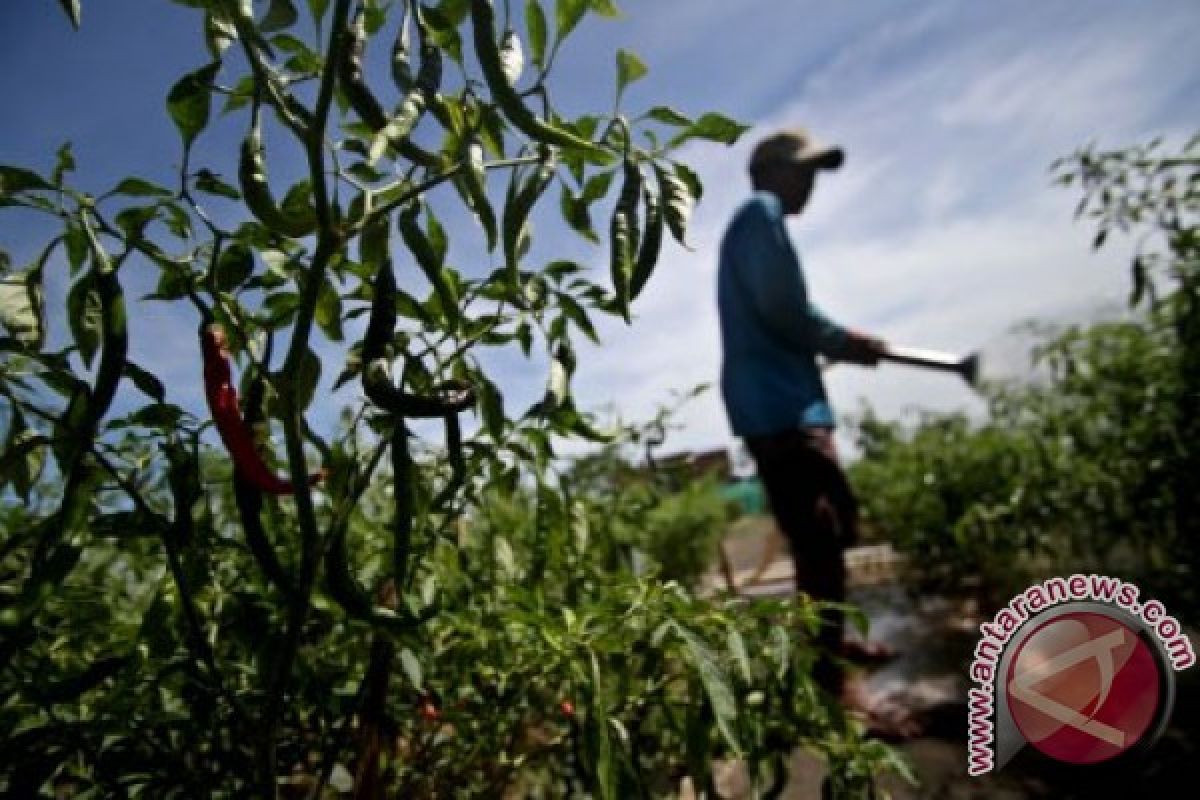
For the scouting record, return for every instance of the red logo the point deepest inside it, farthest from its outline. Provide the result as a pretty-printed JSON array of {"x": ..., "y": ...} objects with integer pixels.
[{"x": 1083, "y": 688}]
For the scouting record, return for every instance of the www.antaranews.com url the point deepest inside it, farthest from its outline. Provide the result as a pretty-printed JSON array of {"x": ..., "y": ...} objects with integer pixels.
[{"x": 1050, "y": 592}]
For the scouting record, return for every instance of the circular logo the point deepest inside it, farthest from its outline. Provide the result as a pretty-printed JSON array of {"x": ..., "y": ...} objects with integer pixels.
[{"x": 1084, "y": 687}]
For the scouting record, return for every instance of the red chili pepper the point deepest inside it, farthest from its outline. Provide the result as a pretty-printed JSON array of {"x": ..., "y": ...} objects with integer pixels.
[
  {"x": 235, "y": 433},
  {"x": 429, "y": 711},
  {"x": 567, "y": 708}
]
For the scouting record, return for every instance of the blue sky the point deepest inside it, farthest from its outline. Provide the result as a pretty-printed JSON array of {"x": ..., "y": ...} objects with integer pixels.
[{"x": 942, "y": 229}]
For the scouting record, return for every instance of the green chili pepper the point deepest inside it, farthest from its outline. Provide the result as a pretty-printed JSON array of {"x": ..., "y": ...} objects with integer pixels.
[
  {"x": 350, "y": 72},
  {"x": 651, "y": 246},
  {"x": 382, "y": 323},
  {"x": 114, "y": 324},
  {"x": 416, "y": 100},
  {"x": 427, "y": 259},
  {"x": 252, "y": 174},
  {"x": 624, "y": 235},
  {"x": 518, "y": 204},
  {"x": 185, "y": 490},
  {"x": 339, "y": 578},
  {"x": 345, "y": 589},
  {"x": 401, "y": 69},
  {"x": 55, "y": 556},
  {"x": 249, "y": 500},
  {"x": 472, "y": 185},
  {"x": 87, "y": 408},
  {"x": 402, "y": 522},
  {"x": 458, "y": 464},
  {"x": 393, "y": 131},
  {"x": 376, "y": 378},
  {"x": 483, "y": 22}
]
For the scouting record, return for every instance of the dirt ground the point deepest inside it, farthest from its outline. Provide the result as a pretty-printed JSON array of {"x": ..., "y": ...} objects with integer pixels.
[{"x": 934, "y": 639}]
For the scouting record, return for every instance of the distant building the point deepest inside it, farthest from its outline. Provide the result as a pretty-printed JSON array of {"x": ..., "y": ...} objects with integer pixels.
[
  {"x": 698, "y": 465},
  {"x": 744, "y": 490}
]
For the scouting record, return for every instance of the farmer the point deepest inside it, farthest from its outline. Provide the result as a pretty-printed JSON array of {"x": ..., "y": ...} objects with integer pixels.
[{"x": 776, "y": 401}]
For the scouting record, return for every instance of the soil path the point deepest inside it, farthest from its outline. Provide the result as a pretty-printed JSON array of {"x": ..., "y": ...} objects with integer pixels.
[{"x": 934, "y": 638}]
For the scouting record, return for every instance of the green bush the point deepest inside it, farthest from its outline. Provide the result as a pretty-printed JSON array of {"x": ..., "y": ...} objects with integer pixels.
[
  {"x": 1094, "y": 468},
  {"x": 683, "y": 529}
]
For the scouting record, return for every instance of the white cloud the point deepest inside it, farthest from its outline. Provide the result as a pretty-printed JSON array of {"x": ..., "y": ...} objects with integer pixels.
[{"x": 942, "y": 230}]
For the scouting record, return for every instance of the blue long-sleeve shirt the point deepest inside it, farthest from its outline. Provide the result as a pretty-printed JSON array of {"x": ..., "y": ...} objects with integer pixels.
[{"x": 770, "y": 332}]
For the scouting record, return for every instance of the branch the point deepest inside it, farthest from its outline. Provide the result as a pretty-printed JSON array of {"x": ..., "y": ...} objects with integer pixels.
[{"x": 441, "y": 177}]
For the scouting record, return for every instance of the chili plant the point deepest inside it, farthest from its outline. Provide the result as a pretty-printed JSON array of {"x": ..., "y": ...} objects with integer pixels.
[
  {"x": 309, "y": 611},
  {"x": 1094, "y": 467}
]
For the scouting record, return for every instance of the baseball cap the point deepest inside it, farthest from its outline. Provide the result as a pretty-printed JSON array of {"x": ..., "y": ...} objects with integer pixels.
[{"x": 797, "y": 146}]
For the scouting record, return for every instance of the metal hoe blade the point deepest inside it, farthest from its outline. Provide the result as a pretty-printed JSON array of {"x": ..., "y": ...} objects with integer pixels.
[{"x": 965, "y": 366}]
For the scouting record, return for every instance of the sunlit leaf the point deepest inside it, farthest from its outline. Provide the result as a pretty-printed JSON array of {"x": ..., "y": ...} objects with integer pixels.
[
  {"x": 629, "y": 69},
  {"x": 189, "y": 102},
  {"x": 280, "y": 14},
  {"x": 535, "y": 22}
]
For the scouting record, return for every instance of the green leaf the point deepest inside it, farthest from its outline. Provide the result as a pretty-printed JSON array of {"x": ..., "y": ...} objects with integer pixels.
[
  {"x": 411, "y": 667},
  {"x": 720, "y": 696},
  {"x": 690, "y": 179},
  {"x": 211, "y": 183},
  {"x": 234, "y": 266},
  {"x": 668, "y": 116},
  {"x": 629, "y": 69},
  {"x": 136, "y": 187},
  {"x": 163, "y": 416},
  {"x": 73, "y": 11},
  {"x": 22, "y": 307},
  {"x": 281, "y": 306},
  {"x": 19, "y": 179},
  {"x": 23, "y": 458},
  {"x": 190, "y": 100},
  {"x": 329, "y": 311},
  {"x": 737, "y": 648},
  {"x": 64, "y": 163},
  {"x": 577, "y": 214},
  {"x": 604, "y": 8},
  {"x": 75, "y": 241},
  {"x": 280, "y": 14},
  {"x": 298, "y": 202},
  {"x": 567, "y": 14},
  {"x": 146, "y": 381},
  {"x": 437, "y": 235},
  {"x": 781, "y": 650},
  {"x": 443, "y": 32},
  {"x": 83, "y": 315},
  {"x": 574, "y": 312},
  {"x": 535, "y": 22},
  {"x": 318, "y": 8},
  {"x": 173, "y": 283},
  {"x": 304, "y": 60},
  {"x": 133, "y": 220},
  {"x": 304, "y": 383},
  {"x": 713, "y": 127},
  {"x": 491, "y": 407},
  {"x": 597, "y": 743}
]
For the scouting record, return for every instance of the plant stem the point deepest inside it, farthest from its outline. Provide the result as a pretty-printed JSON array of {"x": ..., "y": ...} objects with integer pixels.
[{"x": 328, "y": 242}]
